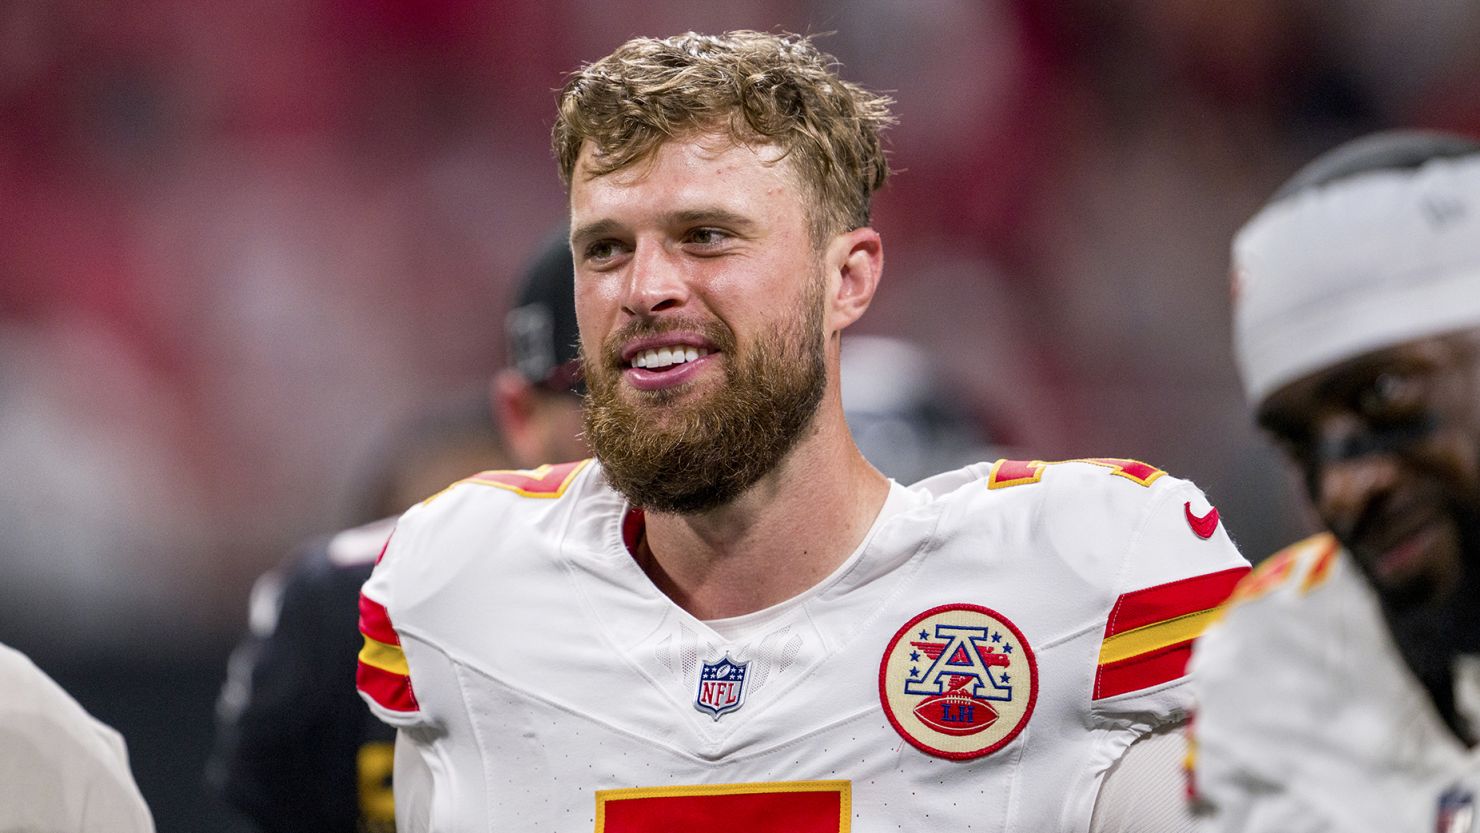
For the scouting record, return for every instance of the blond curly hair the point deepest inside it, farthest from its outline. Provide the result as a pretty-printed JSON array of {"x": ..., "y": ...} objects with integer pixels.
[{"x": 761, "y": 88}]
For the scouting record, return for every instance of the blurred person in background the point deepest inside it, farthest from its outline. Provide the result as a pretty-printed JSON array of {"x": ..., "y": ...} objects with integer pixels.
[
  {"x": 296, "y": 750},
  {"x": 730, "y": 618},
  {"x": 1342, "y": 690},
  {"x": 61, "y": 770},
  {"x": 905, "y": 415}
]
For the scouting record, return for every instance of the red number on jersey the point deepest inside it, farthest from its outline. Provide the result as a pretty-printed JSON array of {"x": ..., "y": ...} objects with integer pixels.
[
  {"x": 1018, "y": 472},
  {"x": 783, "y": 807}
]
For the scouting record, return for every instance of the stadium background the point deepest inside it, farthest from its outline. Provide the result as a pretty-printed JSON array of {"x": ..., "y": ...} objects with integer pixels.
[{"x": 239, "y": 242}]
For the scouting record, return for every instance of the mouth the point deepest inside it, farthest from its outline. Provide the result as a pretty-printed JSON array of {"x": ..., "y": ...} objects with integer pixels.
[
  {"x": 663, "y": 363},
  {"x": 1405, "y": 551},
  {"x": 660, "y": 358},
  {"x": 1405, "y": 557}
]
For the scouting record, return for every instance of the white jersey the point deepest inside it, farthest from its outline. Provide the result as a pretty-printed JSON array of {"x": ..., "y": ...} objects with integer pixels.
[
  {"x": 60, "y": 768},
  {"x": 1456, "y": 807},
  {"x": 1308, "y": 719},
  {"x": 997, "y": 640}
]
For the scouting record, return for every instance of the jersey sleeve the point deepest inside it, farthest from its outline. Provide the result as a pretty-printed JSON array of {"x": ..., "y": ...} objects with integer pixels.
[
  {"x": 1180, "y": 568},
  {"x": 1248, "y": 758},
  {"x": 402, "y": 605},
  {"x": 383, "y": 675}
]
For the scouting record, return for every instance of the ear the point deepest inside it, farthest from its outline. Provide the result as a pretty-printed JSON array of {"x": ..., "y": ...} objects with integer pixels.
[
  {"x": 514, "y": 406},
  {"x": 855, "y": 263}
]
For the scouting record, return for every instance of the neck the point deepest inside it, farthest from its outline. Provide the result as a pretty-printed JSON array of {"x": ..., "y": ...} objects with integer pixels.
[{"x": 779, "y": 538}]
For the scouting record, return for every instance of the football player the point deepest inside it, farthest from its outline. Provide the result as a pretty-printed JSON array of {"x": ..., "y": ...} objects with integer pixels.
[
  {"x": 1341, "y": 692},
  {"x": 61, "y": 768},
  {"x": 729, "y": 620},
  {"x": 295, "y": 748}
]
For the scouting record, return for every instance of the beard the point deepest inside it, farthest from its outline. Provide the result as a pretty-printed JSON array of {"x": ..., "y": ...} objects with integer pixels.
[
  {"x": 665, "y": 455},
  {"x": 1431, "y": 633}
]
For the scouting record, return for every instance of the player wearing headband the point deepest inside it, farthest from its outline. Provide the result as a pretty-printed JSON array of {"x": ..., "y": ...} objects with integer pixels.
[
  {"x": 1340, "y": 692},
  {"x": 729, "y": 620}
]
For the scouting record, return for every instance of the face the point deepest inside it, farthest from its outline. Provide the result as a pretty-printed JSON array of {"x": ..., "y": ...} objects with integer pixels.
[
  {"x": 700, "y": 298},
  {"x": 1389, "y": 444}
]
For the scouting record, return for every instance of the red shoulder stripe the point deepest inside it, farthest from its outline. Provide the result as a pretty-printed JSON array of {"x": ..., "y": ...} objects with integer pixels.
[
  {"x": 1149, "y": 636},
  {"x": 390, "y": 690},
  {"x": 1144, "y": 671},
  {"x": 375, "y": 622},
  {"x": 1166, "y": 601}
]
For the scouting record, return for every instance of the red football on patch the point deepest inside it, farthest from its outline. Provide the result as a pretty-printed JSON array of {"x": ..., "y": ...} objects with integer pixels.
[{"x": 956, "y": 713}]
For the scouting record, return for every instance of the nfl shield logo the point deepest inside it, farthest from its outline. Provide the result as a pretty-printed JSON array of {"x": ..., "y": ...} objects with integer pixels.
[
  {"x": 1456, "y": 811},
  {"x": 721, "y": 687}
]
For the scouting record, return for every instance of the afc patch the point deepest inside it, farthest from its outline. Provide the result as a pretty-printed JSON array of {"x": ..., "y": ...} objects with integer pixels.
[
  {"x": 721, "y": 687},
  {"x": 958, "y": 681}
]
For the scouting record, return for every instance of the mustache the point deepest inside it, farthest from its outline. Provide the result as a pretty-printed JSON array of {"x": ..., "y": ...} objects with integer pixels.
[
  {"x": 714, "y": 331},
  {"x": 1404, "y": 510}
]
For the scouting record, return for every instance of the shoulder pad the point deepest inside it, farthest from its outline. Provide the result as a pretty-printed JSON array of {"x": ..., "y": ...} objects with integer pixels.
[
  {"x": 1007, "y": 473},
  {"x": 1300, "y": 567},
  {"x": 546, "y": 481}
]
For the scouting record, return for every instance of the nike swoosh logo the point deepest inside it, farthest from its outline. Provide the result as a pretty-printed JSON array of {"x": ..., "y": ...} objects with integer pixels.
[{"x": 1202, "y": 527}]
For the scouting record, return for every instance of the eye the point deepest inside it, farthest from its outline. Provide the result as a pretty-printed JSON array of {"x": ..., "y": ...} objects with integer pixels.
[
  {"x": 1392, "y": 396},
  {"x": 600, "y": 252},
  {"x": 706, "y": 236}
]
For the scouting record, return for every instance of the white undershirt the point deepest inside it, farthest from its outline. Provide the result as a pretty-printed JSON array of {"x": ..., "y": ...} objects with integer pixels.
[{"x": 1145, "y": 791}]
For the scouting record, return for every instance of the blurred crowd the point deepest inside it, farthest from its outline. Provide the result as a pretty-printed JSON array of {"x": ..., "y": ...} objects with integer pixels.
[{"x": 244, "y": 242}]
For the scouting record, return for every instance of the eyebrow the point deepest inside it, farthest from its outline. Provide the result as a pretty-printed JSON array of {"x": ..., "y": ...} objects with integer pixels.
[
  {"x": 685, "y": 217},
  {"x": 715, "y": 214},
  {"x": 599, "y": 228}
]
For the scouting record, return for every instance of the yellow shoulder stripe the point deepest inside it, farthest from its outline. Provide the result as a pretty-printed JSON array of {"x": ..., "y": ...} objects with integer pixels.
[{"x": 385, "y": 657}]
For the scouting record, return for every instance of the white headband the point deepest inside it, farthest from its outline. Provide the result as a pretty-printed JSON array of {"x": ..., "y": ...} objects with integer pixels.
[{"x": 1363, "y": 263}]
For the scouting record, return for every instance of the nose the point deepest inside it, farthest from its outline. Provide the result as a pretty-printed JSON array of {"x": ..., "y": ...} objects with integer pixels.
[
  {"x": 655, "y": 282},
  {"x": 1350, "y": 472}
]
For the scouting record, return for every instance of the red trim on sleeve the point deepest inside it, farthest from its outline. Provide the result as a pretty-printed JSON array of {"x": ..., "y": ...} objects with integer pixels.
[
  {"x": 375, "y": 622},
  {"x": 390, "y": 690},
  {"x": 1168, "y": 601},
  {"x": 1143, "y": 671}
]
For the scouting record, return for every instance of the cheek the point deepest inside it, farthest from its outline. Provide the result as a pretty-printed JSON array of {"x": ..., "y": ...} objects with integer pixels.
[
  {"x": 594, "y": 309},
  {"x": 1467, "y": 470},
  {"x": 1455, "y": 458},
  {"x": 741, "y": 299}
]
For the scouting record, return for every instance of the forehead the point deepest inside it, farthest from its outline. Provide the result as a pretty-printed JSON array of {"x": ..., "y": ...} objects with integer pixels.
[{"x": 701, "y": 169}]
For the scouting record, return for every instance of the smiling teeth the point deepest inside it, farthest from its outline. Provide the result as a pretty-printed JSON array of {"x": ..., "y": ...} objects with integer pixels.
[{"x": 665, "y": 356}]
